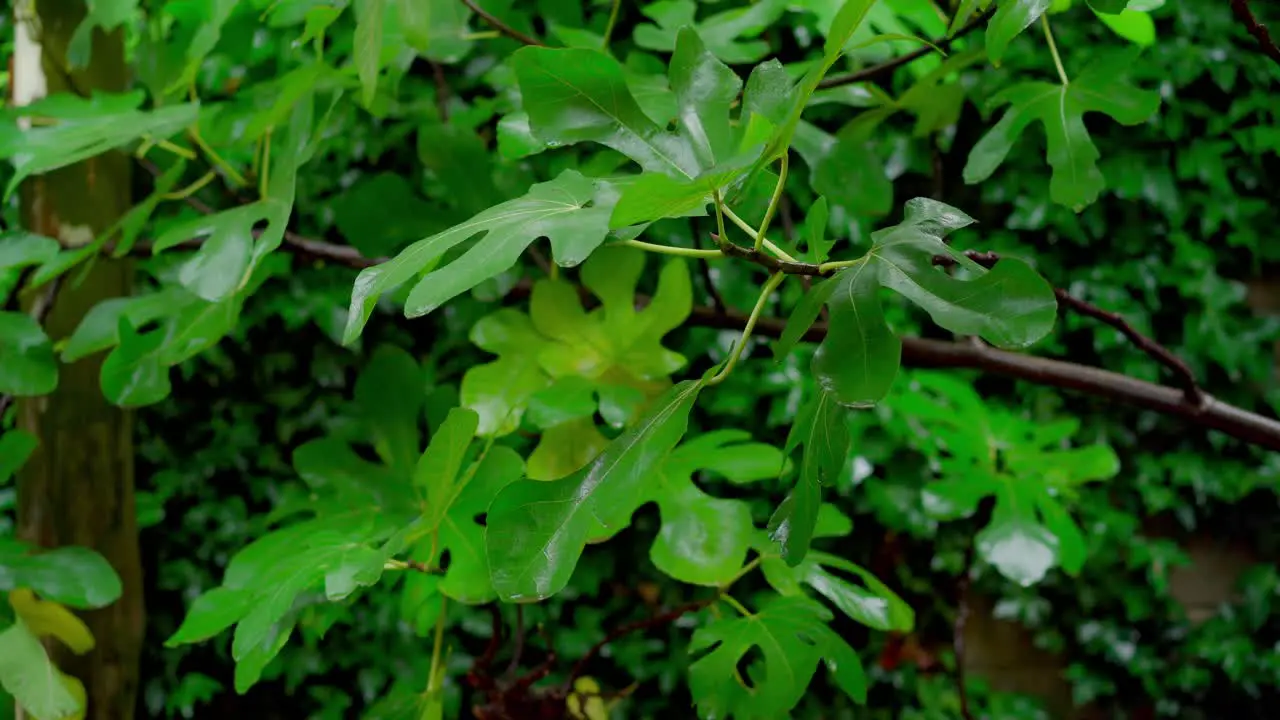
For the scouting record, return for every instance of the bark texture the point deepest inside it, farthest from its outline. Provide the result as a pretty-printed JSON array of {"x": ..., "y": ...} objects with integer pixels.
[{"x": 77, "y": 489}]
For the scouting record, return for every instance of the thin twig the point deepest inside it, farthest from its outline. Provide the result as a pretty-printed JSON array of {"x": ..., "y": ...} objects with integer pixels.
[
  {"x": 519, "y": 639},
  {"x": 442, "y": 91},
  {"x": 1161, "y": 354},
  {"x": 502, "y": 27},
  {"x": 717, "y": 300},
  {"x": 958, "y": 629},
  {"x": 667, "y": 617},
  {"x": 884, "y": 68},
  {"x": 1259, "y": 31}
]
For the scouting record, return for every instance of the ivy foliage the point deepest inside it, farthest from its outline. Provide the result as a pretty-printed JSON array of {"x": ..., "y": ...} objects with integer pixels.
[{"x": 545, "y": 410}]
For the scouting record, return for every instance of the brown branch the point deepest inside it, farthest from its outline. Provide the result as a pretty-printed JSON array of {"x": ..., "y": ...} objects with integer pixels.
[
  {"x": 769, "y": 262},
  {"x": 502, "y": 27},
  {"x": 1161, "y": 354},
  {"x": 717, "y": 300},
  {"x": 923, "y": 353},
  {"x": 884, "y": 68},
  {"x": 918, "y": 352},
  {"x": 667, "y": 617},
  {"x": 1259, "y": 31}
]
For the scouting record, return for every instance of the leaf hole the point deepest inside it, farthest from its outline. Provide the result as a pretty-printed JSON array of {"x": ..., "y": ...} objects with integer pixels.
[
  {"x": 481, "y": 519},
  {"x": 444, "y": 560}
]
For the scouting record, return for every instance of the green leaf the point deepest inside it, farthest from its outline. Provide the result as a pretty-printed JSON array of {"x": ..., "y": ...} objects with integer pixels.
[
  {"x": 134, "y": 375},
  {"x": 389, "y": 395},
  {"x": 793, "y": 635},
  {"x": 380, "y": 213},
  {"x": 368, "y": 46},
  {"x": 73, "y": 129},
  {"x": 1136, "y": 27},
  {"x": 437, "y": 29},
  {"x": 705, "y": 88},
  {"x": 704, "y": 539},
  {"x": 31, "y": 678},
  {"x": 105, "y": 14},
  {"x": 538, "y": 530},
  {"x": 1010, "y": 19},
  {"x": 817, "y": 244},
  {"x": 19, "y": 248},
  {"x": 859, "y": 357},
  {"x": 73, "y": 576},
  {"x": 15, "y": 447},
  {"x": 727, "y": 34},
  {"x": 227, "y": 259},
  {"x": 575, "y": 95},
  {"x": 846, "y": 22},
  {"x": 565, "y": 448},
  {"x": 210, "y": 614},
  {"x": 27, "y": 364},
  {"x": 1109, "y": 6},
  {"x": 820, "y": 428},
  {"x": 845, "y": 168},
  {"x": 1010, "y": 305},
  {"x": 572, "y": 210},
  {"x": 1076, "y": 180},
  {"x": 440, "y": 464},
  {"x": 875, "y": 605}
]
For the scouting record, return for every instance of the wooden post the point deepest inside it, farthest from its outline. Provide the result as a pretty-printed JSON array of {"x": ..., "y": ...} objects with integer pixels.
[{"x": 77, "y": 489}]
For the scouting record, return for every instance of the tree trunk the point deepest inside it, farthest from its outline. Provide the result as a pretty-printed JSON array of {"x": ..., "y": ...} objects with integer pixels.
[{"x": 77, "y": 489}]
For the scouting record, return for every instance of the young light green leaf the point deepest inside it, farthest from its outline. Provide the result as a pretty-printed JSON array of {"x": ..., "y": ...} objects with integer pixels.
[
  {"x": 538, "y": 530},
  {"x": 27, "y": 364},
  {"x": 75, "y": 129},
  {"x": 793, "y": 635},
  {"x": 1136, "y": 27},
  {"x": 820, "y": 428},
  {"x": 31, "y": 678},
  {"x": 1076, "y": 180},
  {"x": 572, "y": 210},
  {"x": 1010, "y": 19}
]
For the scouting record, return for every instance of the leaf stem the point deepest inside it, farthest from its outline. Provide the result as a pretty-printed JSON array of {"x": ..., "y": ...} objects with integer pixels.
[
  {"x": 613, "y": 20},
  {"x": 840, "y": 264},
  {"x": 728, "y": 600},
  {"x": 1053, "y": 49},
  {"x": 769, "y": 286},
  {"x": 724, "y": 586},
  {"x": 232, "y": 174},
  {"x": 670, "y": 250},
  {"x": 265, "y": 178},
  {"x": 720, "y": 209},
  {"x": 191, "y": 189},
  {"x": 773, "y": 201},
  {"x": 751, "y": 233},
  {"x": 433, "y": 678}
]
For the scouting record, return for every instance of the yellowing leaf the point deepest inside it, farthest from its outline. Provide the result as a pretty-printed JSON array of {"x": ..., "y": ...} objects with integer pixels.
[
  {"x": 585, "y": 703},
  {"x": 48, "y": 618}
]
